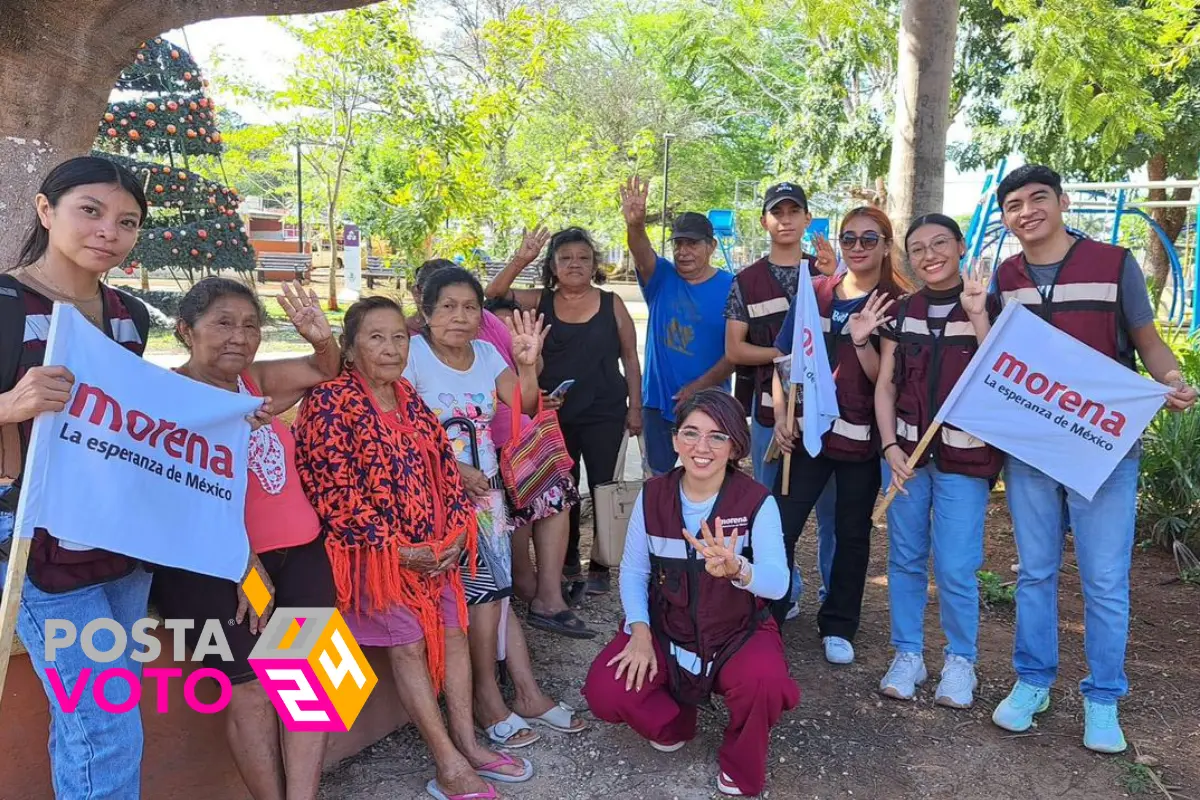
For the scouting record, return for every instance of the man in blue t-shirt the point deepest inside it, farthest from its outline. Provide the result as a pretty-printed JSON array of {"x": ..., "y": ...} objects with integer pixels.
[{"x": 685, "y": 342}]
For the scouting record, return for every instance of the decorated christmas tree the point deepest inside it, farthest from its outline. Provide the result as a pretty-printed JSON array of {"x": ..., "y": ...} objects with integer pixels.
[{"x": 166, "y": 115}]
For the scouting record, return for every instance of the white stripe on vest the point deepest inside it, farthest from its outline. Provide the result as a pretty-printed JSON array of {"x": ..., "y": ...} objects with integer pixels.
[
  {"x": 776, "y": 305},
  {"x": 847, "y": 430}
]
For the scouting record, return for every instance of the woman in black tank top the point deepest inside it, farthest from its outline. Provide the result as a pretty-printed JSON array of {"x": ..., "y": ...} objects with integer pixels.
[{"x": 592, "y": 341}]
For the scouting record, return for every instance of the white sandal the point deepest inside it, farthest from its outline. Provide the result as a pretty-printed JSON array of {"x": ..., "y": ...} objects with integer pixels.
[
  {"x": 726, "y": 786},
  {"x": 559, "y": 718},
  {"x": 509, "y": 728}
]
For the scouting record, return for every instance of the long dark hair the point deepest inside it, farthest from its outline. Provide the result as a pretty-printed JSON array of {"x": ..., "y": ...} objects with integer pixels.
[
  {"x": 565, "y": 237},
  {"x": 892, "y": 280},
  {"x": 73, "y": 172}
]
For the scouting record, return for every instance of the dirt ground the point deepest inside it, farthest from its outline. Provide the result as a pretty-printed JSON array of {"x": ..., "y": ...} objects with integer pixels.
[{"x": 846, "y": 740}]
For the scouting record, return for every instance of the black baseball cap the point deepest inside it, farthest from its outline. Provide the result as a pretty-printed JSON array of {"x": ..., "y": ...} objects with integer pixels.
[
  {"x": 784, "y": 191},
  {"x": 691, "y": 225}
]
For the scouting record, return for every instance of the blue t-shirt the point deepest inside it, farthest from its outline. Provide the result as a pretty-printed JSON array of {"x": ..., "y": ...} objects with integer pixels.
[
  {"x": 842, "y": 309},
  {"x": 686, "y": 334}
]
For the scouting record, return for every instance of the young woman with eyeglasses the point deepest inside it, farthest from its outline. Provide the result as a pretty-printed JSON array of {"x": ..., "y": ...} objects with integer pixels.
[
  {"x": 941, "y": 504},
  {"x": 853, "y": 305}
]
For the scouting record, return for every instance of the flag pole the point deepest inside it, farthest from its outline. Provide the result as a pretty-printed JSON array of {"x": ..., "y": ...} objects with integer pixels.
[
  {"x": 922, "y": 446},
  {"x": 787, "y": 457},
  {"x": 14, "y": 581}
]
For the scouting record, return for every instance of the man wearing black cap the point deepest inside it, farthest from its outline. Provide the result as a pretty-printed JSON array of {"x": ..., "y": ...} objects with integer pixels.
[
  {"x": 685, "y": 348},
  {"x": 757, "y": 304}
]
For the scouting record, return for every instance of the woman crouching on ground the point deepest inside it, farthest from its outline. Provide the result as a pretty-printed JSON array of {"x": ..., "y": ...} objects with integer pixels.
[
  {"x": 220, "y": 324},
  {"x": 673, "y": 653}
]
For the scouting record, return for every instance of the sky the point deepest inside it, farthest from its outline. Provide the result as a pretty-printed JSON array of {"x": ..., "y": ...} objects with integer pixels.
[{"x": 259, "y": 47}]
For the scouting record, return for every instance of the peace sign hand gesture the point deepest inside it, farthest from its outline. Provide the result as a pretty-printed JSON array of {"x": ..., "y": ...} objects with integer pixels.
[
  {"x": 304, "y": 311},
  {"x": 720, "y": 554},
  {"x": 633, "y": 200},
  {"x": 870, "y": 318},
  {"x": 528, "y": 335},
  {"x": 973, "y": 297},
  {"x": 532, "y": 242},
  {"x": 826, "y": 258}
]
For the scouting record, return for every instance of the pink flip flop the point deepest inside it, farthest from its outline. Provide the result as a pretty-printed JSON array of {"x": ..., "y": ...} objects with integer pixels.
[
  {"x": 436, "y": 792},
  {"x": 492, "y": 771}
]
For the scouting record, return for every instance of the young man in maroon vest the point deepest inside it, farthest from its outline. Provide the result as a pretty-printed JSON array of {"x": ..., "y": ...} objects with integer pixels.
[
  {"x": 760, "y": 298},
  {"x": 1096, "y": 293}
]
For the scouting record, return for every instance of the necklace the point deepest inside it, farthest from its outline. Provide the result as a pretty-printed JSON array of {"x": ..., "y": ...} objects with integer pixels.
[{"x": 46, "y": 282}]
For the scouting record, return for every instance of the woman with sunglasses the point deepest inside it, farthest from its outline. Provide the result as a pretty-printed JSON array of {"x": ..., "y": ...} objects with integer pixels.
[
  {"x": 703, "y": 559},
  {"x": 852, "y": 305},
  {"x": 941, "y": 503}
]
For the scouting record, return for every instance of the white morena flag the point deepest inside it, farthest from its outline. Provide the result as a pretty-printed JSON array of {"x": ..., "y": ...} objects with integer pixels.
[
  {"x": 141, "y": 461},
  {"x": 1045, "y": 397},
  {"x": 810, "y": 369}
]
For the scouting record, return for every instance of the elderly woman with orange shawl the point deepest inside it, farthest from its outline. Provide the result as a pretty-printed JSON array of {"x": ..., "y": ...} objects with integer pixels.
[{"x": 382, "y": 476}]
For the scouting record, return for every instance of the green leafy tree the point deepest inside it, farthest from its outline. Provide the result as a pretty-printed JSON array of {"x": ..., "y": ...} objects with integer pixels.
[{"x": 193, "y": 224}]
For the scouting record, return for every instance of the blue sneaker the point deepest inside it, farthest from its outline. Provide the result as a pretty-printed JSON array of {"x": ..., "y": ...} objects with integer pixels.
[
  {"x": 838, "y": 650},
  {"x": 1101, "y": 730},
  {"x": 1015, "y": 712}
]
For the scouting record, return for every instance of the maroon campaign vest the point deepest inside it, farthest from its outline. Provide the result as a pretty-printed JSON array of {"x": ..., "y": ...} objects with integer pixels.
[
  {"x": 926, "y": 369},
  {"x": 52, "y": 567},
  {"x": 696, "y": 618},
  {"x": 853, "y": 436},
  {"x": 767, "y": 304},
  {"x": 1086, "y": 295}
]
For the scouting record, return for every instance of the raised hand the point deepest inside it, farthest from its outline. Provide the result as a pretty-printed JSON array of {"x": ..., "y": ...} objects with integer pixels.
[
  {"x": 973, "y": 296},
  {"x": 871, "y": 317},
  {"x": 720, "y": 553},
  {"x": 532, "y": 242},
  {"x": 304, "y": 311},
  {"x": 826, "y": 257},
  {"x": 633, "y": 200},
  {"x": 528, "y": 335}
]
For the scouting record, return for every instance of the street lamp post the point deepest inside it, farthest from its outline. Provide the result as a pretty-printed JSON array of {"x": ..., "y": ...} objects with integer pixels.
[
  {"x": 299, "y": 200},
  {"x": 667, "y": 137}
]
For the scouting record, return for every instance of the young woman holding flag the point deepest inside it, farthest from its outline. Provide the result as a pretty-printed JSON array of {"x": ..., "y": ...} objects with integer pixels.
[
  {"x": 852, "y": 306},
  {"x": 941, "y": 504}
]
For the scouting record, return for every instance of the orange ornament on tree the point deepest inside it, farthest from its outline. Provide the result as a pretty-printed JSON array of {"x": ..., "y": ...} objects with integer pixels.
[
  {"x": 108, "y": 117},
  {"x": 171, "y": 129},
  {"x": 216, "y": 137},
  {"x": 151, "y": 123},
  {"x": 134, "y": 135},
  {"x": 191, "y": 134},
  {"x": 192, "y": 106},
  {"x": 158, "y": 188},
  {"x": 151, "y": 107}
]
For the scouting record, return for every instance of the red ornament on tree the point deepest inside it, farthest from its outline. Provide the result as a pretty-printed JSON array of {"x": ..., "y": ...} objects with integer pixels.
[
  {"x": 171, "y": 129},
  {"x": 187, "y": 76},
  {"x": 195, "y": 252},
  {"x": 175, "y": 54},
  {"x": 168, "y": 235},
  {"x": 151, "y": 123},
  {"x": 112, "y": 132},
  {"x": 172, "y": 105},
  {"x": 203, "y": 234}
]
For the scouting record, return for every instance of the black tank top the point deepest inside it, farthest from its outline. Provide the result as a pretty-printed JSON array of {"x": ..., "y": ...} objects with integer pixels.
[{"x": 588, "y": 353}]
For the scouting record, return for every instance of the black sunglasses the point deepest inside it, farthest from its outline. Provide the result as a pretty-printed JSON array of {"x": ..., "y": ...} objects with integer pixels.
[{"x": 869, "y": 241}]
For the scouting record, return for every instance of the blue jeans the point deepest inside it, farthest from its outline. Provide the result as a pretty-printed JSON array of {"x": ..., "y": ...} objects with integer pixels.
[
  {"x": 94, "y": 755},
  {"x": 1104, "y": 533},
  {"x": 660, "y": 452},
  {"x": 958, "y": 504},
  {"x": 765, "y": 472}
]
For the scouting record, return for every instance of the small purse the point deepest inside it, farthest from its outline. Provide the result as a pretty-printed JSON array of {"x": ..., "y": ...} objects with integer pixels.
[{"x": 536, "y": 457}]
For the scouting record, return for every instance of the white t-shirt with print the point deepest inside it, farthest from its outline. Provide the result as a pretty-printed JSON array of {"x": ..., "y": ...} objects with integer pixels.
[{"x": 460, "y": 393}]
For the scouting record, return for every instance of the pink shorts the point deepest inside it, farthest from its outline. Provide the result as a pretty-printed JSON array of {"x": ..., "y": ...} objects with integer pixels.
[{"x": 398, "y": 625}]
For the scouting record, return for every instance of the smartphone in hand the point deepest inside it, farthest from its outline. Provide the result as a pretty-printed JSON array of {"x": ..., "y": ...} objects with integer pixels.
[{"x": 561, "y": 389}]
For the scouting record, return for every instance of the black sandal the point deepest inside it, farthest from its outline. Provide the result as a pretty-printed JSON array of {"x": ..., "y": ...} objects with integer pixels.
[{"x": 564, "y": 623}]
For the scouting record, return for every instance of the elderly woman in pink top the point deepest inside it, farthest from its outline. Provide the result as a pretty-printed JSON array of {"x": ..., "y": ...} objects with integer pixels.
[
  {"x": 547, "y": 519},
  {"x": 220, "y": 323}
]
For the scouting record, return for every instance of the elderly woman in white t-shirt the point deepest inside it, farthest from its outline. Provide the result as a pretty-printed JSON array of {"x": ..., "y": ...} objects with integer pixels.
[{"x": 460, "y": 378}]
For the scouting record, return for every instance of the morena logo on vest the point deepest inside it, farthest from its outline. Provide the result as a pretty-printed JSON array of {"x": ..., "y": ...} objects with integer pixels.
[{"x": 307, "y": 661}]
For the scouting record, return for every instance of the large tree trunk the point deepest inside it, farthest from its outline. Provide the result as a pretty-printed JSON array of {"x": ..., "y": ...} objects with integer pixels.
[
  {"x": 59, "y": 60},
  {"x": 916, "y": 181},
  {"x": 1171, "y": 220}
]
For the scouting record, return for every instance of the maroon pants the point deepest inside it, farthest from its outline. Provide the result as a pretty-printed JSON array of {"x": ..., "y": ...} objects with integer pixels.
[{"x": 754, "y": 682}]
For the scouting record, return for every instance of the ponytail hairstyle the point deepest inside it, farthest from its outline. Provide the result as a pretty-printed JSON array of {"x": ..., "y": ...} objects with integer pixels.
[
  {"x": 892, "y": 280},
  {"x": 69, "y": 174}
]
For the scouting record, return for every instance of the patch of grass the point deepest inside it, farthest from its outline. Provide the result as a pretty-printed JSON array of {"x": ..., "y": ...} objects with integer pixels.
[
  {"x": 1136, "y": 778},
  {"x": 994, "y": 591},
  {"x": 1191, "y": 576}
]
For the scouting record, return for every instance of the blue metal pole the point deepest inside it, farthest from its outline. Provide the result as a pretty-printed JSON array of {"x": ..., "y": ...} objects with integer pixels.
[{"x": 1116, "y": 230}]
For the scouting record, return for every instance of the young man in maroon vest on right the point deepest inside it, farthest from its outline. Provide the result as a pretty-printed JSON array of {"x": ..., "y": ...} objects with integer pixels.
[{"x": 1096, "y": 293}]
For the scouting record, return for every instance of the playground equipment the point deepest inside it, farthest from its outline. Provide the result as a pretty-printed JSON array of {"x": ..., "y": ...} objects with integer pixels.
[
  {"x": 728, "y": 240},
  {"x": 1113, "y": 204}
]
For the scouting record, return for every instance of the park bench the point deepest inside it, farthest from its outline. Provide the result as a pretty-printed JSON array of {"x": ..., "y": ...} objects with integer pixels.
[
  {"x": 530, "y": 277},
  {"x": 375, "y": 269},
  {"x": 284, "y": 267}
]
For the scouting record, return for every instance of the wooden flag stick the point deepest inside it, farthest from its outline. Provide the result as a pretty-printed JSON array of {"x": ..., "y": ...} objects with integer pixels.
[
  {"x": 14, "y": 581},
  {"x": 922, "y": 446},
  {"x": 787, "y": 457}
]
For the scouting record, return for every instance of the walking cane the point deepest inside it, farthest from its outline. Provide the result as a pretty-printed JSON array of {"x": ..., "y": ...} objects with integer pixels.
[{"x": 501, "y": 638}]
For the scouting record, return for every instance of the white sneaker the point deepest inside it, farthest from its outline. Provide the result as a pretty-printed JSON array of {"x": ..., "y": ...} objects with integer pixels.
[
  {"x": 906, "y": 673},
  {"x": 957, "y": 687},
  {"x": 838, "y": 650},
  {"x": 793, "y": 612}
]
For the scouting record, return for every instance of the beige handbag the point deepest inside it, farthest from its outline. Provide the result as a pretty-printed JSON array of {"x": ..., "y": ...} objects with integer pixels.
[{"x": 613, "y": 506}]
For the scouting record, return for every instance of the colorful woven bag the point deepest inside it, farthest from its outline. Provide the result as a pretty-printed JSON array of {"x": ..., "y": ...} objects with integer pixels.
[{"x": 536, "y": 457}]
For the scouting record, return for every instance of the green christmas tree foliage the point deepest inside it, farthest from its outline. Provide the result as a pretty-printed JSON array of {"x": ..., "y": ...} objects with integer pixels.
[{"x": 193, "y": 222}]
